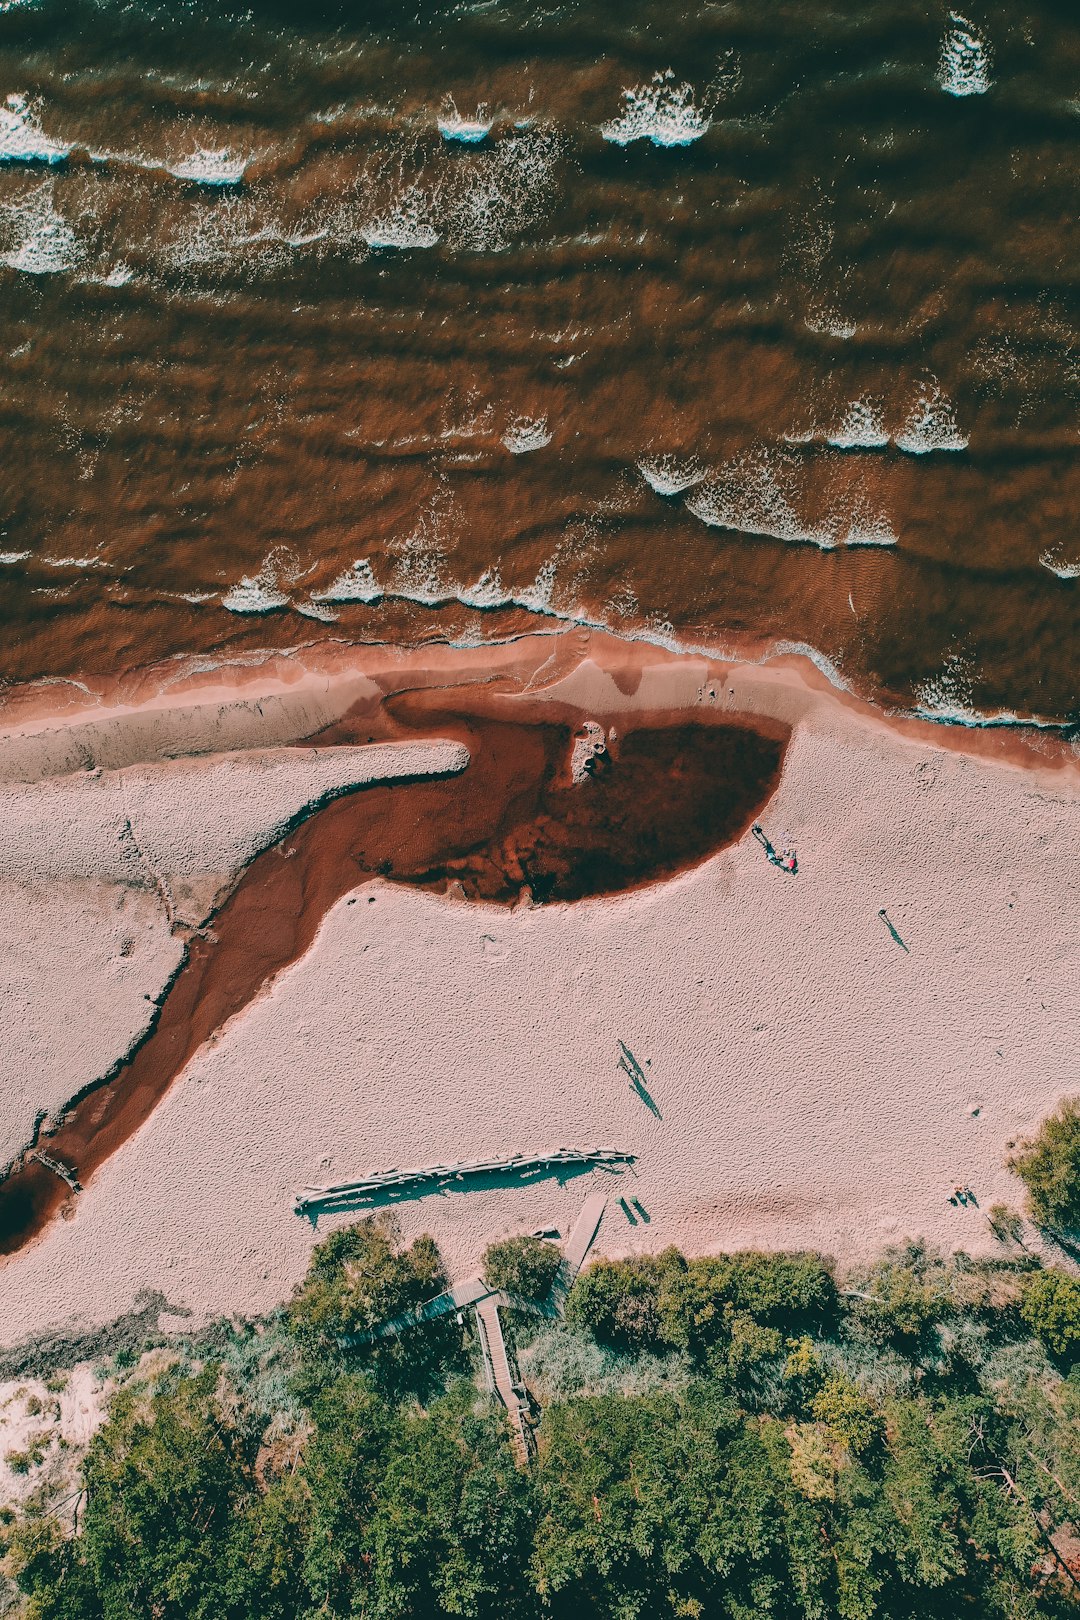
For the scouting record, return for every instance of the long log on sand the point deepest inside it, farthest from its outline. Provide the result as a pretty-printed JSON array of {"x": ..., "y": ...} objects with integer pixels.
[{"x": 312, "y": 1199}]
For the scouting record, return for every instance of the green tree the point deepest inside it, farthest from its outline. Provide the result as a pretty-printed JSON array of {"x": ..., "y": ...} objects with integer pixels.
[
  {"x": 618, "y": 1301},
  {"x": 163, "y": 1478},
  {"x": 522, "y": 1265},
  {"x": 451, "y": 1529},
  {"x": 340, "y": 1475},
  {"x": 359, "y": 1278},
  {"x": 1049, "y": 1167},
  {"x": 1051, "y": 1308}
]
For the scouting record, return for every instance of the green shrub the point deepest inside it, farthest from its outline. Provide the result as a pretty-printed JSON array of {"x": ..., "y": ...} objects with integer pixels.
[
  {"x": 358, "y": 1278},
  {"x": 619, "y": 1300},
  {"x": 1049, "y": 1167},
  {"x": 521, "y": 1265},
  {"x": 1051, "y": 1308}
]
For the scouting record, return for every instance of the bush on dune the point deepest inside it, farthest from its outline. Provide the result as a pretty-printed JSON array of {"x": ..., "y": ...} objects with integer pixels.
[
  {"x": 1049, "y": 1167},
  {"x": 522, "y": 1265}
]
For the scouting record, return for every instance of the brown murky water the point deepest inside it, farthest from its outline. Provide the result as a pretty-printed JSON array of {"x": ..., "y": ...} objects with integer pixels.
[
  {"x": 662, "y": 798},
  {"x": 708, "y": 321}
]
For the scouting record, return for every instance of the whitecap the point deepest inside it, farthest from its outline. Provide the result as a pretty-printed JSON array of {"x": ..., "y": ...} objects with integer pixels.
[
  {"x": 356, "y": 584},
  {"x": 316, "y": 610},
  {"x": 399, "y": 231},
  {"x": 488, "y": 592},
  {"x": 211, "y": 167},
  {"x": 746, "y": 497},
  {"x": 489, "y": 196},
  {"x": 964, "y": 64},
  {"x": 830, "y": 323},
  {"x": 118, "y": 276},
  {"x": 258, "y": 593},
  {"x": 670, "y": 475},
  {"x": 13, "y": 556},
  {"x": 46, "y": 243},
  {"x": 469, "y": 131},
  {"x": 931, "y": 424},
  {"x": 662, "y": 112},
  {"x": 527, "y": 433},
  {"x": 876, "y": 531},
  {"x": 861, "y": 429},
  {"x": 22, "y": 139},
  {"x": 1063, "y": 570}
]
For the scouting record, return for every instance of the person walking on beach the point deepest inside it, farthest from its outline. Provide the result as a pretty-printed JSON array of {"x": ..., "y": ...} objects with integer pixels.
[{"x": 787, "y": 862}]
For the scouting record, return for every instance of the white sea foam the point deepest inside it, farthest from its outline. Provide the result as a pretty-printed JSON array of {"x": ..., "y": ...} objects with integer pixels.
[
  {"x": 407, "y": 224},
  {"x": 22, "y": 139},
  {"x": 964, "y": 64},
  {"x": 662, "y": 112},
  {"x": 873, "y": 531},
  {"x": 1063, "y": 570},
  {"x": 488, "y": 197},
  {"x": 829, "y": 323},
  {"x": 259, "y": 593},
  {"x": 931, "y": 424},
  {"x": 670, "y": 475},
  {"x": 43, "y": 241},
  {"x": 316, "y": 610},
  {"x": 356, "y": 584},
  {"x": 469, "y": 131},
  {"x": 527, "y": 433},
  {"x": 862, "y": 427},
  {"x": 746, "y": 496},
  {"x": 118, "y": 276},
  {"x": 211, "y": 167},
  {"x": 758, "y": 494},
  {"x": 13, "y": 556}
]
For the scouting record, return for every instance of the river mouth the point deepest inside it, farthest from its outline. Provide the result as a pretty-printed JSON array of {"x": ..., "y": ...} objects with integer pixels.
[{"x": 658, "y": 796}]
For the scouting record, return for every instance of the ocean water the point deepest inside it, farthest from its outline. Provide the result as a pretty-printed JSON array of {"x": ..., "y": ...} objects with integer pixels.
[{"x": 727, "y": 324}]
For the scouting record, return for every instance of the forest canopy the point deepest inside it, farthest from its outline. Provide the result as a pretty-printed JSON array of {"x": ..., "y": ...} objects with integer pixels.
[{"x": 739, "y": 1436}]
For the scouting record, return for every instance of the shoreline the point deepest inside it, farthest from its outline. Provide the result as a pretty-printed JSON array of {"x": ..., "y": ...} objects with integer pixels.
[
  {"x": 314, "y": 684},
  {"x": 791, "y": 985}
]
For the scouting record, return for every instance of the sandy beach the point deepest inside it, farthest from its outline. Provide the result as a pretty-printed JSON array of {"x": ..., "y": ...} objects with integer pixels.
[{"x": 816, "y": 1083}]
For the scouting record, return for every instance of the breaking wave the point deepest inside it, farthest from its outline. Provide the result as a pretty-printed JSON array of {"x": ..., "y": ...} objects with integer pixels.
[
  {"x": 662, "y": 112},
  {"x": 964, "y": 64}
]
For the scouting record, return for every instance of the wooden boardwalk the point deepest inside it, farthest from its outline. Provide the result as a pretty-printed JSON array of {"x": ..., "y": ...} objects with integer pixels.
[
  {"x": 497, "y": 1364},
  {"x": 474, "y": 1294}
]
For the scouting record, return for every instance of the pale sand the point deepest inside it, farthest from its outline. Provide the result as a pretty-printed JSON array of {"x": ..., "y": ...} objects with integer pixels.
[
  {"x": 101, "y": 871},
  {"x": 819, "y": 1087}
]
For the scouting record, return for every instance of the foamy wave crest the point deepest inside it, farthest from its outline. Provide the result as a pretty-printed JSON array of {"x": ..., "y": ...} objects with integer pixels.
[
  {"x": 829, "y": 323},
  {"x": 1063, "y": 570},
  {"x": 931, "y": 424},
  {"x": 964, "y": 64},
  {"x": 756, "y": 494},
  {"x": 670, "y": 475},
  {"x": 356, "y": 584},
  {"x": 43, "y": 241},
  {"x": 22, "y": 139},
  {"x": 406, "y": 225},
  {"x": 527, "y": 433},
  {"x": 210, "y": 167},
  {"x": 13, "y": 556},
  {"x": 316, "y": 610},
  {"x": 486, "y": 199},
  {"x": 259, "y": 593},
  {"x": 861, "y": 429},
  {"x": 662, "y": 112},
  {"x": 469, "y": 131},
  {"x": 746, "y": 496}
]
